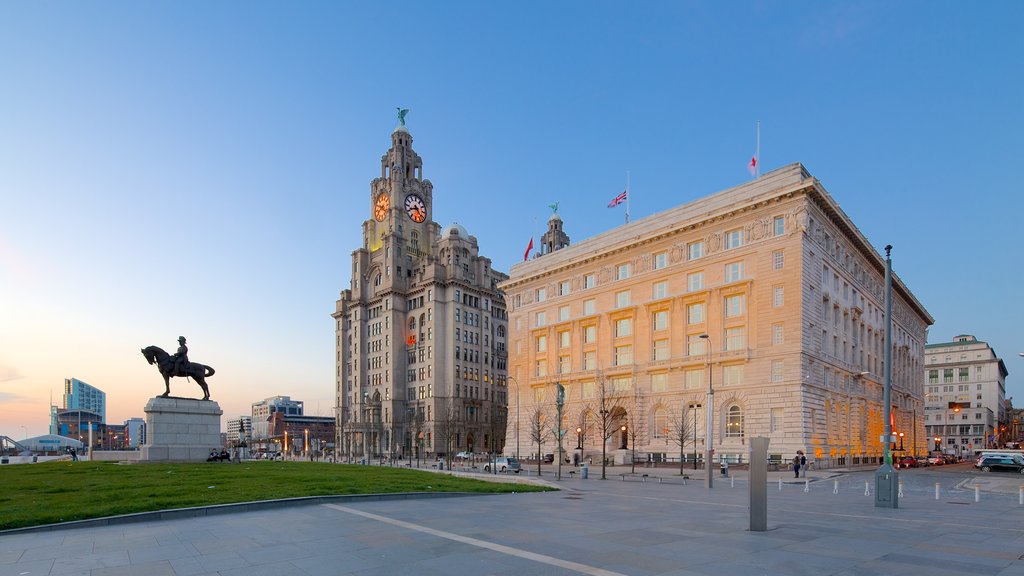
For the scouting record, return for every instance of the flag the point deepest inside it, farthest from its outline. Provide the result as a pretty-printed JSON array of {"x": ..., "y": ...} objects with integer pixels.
[
  {"x": 526, "y": 255},
  {"x": 617, "y": 200},
  {"x": 752, "y": 166}
]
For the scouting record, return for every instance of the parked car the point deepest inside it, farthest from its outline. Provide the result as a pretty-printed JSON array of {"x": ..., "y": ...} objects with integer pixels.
[
  {"x": 549, "y": 458},
  {"x": 907, "y": 462},
  {"x": 936, "y": 460},
  {"x": 504, "y": 465},
  {"x": 922, "y": 461},
  {"x": 1001, "y": 463}
]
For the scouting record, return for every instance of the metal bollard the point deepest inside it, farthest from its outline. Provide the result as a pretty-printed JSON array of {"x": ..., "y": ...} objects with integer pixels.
[
  {"x": 937, "y": 490},
  {"x": 807, "y": 485},
  {"x": 780, "y": 483},
  {"x": 901, "y": 489},
  {"x": 1020, "y": 497},
  {"x": 977, "y": 492},
  {"x": 867, "y": 488},
  {"x": 732, "y": 482},
  {"x": 835, "y": 486}
]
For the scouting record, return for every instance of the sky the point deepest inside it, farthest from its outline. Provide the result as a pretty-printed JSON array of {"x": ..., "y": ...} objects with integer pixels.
[{"x": 203, "y": 169}]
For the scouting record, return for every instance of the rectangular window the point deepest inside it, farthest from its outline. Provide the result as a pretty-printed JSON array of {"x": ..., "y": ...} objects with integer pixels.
[
  {"x": 660, "y": 320},
  {"x": 563, "y": 288},
  {"x": 589, "y": 390},
  {"x": 542, "y": 294},
  {"x": 778, "y": 296},
  {"x": 563, "y": 313},
  {"x": 541, "y": 320},
  {"x": 564, "y": 365},
  {"x": 735, "y": 305},
  {"x": 695, "y": 379},
  {"x": 660, "y": 349},
  {"x": 776, "y": 420},
  {"x": 732, "y": 375},
  {"x": 779, "y": 226},
  {"x": 623, "y": 327},
  {"x": 695, "y": 250},
  {"x": 622, "y": 271},
  {"x": 622, "y": 385},
  {"x": 659, "y": 382},
  {"x": 736, "y": 338},
  {"x": 947, "y": 375},
  {"x": 623, "y": 355},
  {"x": 659, "y": 290},
  {"x": 590, "y": 360},
  {"x": 695, "y": 345},
  {"x": 660, "y": 260},
  {"x": 622, "y": 299},
  {"x": 776, "y": 370},
  {"x": 777, "y": 334},
  {"x": 778, "y": 259},
  {"x": 733, "y": 238},
  {"x": 589, "y": 281},
  {"x": 589, "y": 334},
  {"x": 563, "y": 339},
  {"x": 589, "y": 307},
  {"x": 964, "y": 375},
  {"x": 695, "y": 313},
  {"x": 733, "y": 272},
  {"x": 695, "y": 281},
  {"x": 542, "y": 343},
  {"x": 540, "y": 368}
]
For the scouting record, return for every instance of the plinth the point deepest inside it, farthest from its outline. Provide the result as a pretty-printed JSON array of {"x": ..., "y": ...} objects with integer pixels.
[{"x": 181, "y": 429}]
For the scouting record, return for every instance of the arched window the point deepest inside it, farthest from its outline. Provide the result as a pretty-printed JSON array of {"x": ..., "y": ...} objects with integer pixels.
[
  {"x": 734, "y": 422},
  {"x": 660, "y": 420},
  {"x": 412, "y": 323},
  {"x": 377, "y": 279}
]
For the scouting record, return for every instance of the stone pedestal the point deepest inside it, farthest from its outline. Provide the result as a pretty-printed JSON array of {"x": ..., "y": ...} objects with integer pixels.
[{"x": 181, "y": 429}]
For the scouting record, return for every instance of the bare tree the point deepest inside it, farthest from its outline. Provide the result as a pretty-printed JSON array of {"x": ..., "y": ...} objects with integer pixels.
[
  {"x": 680, "y": 432},
  {"x": 497, "y": 423},
  {"x": 448, "y": 421},
  {"x": 636, "y": 425},
  {"x": 609, "y": 407},
  {"x": 539, "y": 430}
]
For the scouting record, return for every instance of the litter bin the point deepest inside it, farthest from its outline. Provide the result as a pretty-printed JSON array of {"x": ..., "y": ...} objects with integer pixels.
[
  {"x": 725, "y": 468},
  {"x": 584, "y": 471}
]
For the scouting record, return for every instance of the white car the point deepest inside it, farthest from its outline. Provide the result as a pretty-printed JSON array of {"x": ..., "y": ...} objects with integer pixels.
[{"x": 504, "y": 465}]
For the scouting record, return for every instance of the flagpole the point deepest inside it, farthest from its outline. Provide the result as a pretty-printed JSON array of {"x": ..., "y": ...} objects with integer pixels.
[
  {"x": 627, "y": 196},
  {"x": 757, "y": 166}
]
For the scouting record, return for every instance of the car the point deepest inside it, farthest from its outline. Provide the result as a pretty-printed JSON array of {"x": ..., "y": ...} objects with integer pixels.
[
  {"x": 922, "y": 461},
  {"x": 907, "y": 462},
  {"x": 504, "y": 465},
  {"x": 1001, "y": 463},
  {"x": 936, "y": 460},
  {"x": 549, "y": 458}
]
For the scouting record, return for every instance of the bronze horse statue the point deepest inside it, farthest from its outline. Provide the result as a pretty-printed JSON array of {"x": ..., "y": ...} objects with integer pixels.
[{"x": 165, "y": 362}]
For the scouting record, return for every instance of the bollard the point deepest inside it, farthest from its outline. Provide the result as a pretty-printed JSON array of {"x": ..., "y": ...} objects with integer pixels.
[
  {"x": 732, "y": 482},
  {"x": 937, "y": 490},
  {"x": 780, "y": 483},
  {"x": 835, "y": 486},
  {"x": 977, "y": 492},
  {"x": 901, "y": 489},
  {"x": 1020, "y": 497},
  {"x": 807, "y": 485},
  {"x": 867, "y": 488}
]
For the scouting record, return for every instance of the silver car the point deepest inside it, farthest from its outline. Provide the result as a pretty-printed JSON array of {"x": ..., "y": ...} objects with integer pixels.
[{"x": 504, "y": 465}]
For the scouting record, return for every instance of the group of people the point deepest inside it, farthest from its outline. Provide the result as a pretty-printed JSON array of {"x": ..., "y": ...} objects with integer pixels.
[
  {"x": 221, "y": 456},
  {"x": 799, "y": 463}
]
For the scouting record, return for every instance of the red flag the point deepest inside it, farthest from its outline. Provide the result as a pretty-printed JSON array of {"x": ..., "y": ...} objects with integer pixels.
[
  {"x": 617, "y": 200},
  {"x": 526, "y": 255},
  {"x": 752, "y": 166}
]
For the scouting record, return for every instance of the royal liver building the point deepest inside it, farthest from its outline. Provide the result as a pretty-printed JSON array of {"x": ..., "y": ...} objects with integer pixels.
[{"x": 421, "y": 332}]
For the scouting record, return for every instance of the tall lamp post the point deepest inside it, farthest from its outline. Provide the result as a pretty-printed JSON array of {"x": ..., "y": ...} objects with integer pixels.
[
  {"x": 513, "y": 378},
  {"x": 559, "y": 403},
  {"x": 709, "y": 413},
  {"x": 886, "y": 477}
]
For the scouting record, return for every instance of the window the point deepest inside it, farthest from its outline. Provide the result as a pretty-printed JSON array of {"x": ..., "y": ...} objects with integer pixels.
[
  {"x": 660, "y": 349},
  {"x": 563, "y": 288},
  {"x": 622, "y": 299},
  {"x": 589, "y": 334},
  {"x": 620, "y": 385},
  {"x": 542, "y": 294},
  {"x": 735, "y": 305},
  {"x": 964, "y": 375},
  {"x": 736, "y": 338},
  {"x": 563, "y": 339},
  {"x": 589, "y": 360},
  {"x": 776, "y": 370},
  {"x": 623, "y": 327},
  {"x": 733, "y": 238},
  {"x": 695, "y": 379},
  {"x": 540, "y": 368},
  {"x": 660, "y": 423},
  {"x": 659, "y": 382},
  {"x": 779, "y": 226},
  {"x": 695, "y": 250},
  {"x": 622, "y": 271},
  {"x": 776, "y": 420},
  {"x": 733, "y": 272},
  {"x": 947, "y": 375},
  {"x": 564, "y": 365},
  {"x": 660, "y": 320},
  {"x": 659, "y": 290},
  {"x": 732, "y": 375},
  {"x": 563, "y": 313},
  {"x": 695, "y": 345},
  {"x": 660, "y": 260},
  {"x": 734, "y": 422},
  {"x": 589, "y": 307},
  {"x": 695, "y": 281},
  {"x": 542, "y": 343},
  {"x": 778, "y": 259},
  {"x": 778, "y": 296},
  {"x": 695, "y": 313},
  {"x": 541, "y": 319},
  {"x": 623, "y": 355},
  {"x": 777, "y": 334},
  {"x": 588, "y": 390},
  {"x": 589, "y": 281}
]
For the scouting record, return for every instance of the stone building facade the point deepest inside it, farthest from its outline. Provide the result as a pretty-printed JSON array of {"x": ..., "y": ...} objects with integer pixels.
[
  {"x": 421, "y": 331},
  {"x": 965, "y": 400},
  {"x": 767, "y": 289}
]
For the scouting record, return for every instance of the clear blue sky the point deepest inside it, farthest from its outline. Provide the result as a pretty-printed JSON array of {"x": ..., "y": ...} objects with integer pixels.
[{"x": 202, "y": 169}]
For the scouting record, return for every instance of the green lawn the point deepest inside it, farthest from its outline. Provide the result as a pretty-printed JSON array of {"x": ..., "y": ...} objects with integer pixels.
[{"x": 33, "y": 494}]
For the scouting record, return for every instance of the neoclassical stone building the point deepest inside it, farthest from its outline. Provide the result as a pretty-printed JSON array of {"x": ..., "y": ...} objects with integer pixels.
[
  {"x": 421, "y": 332},
  {"x": 768, "y": 288}
]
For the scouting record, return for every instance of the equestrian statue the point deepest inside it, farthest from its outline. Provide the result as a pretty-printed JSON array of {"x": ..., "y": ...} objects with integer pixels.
[{"x": 178, "y": 365}]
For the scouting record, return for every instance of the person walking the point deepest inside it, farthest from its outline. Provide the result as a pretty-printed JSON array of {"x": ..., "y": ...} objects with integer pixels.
[
  {"x": 803, "y": 463},
  {"x": 796, "y": 464}
]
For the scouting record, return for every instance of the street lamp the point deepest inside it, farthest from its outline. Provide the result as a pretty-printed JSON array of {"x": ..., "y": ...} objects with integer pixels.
[
  {"x": 579, "y": 438},
  {"x": 513, "y": 378},
  {"x": 901, "y": 441},
  {"x": 694, "y": 406},
  {"x": 710, "y": 410},
  {"x": 305, "y": 447},
  {"x": 886, "y": 477}
]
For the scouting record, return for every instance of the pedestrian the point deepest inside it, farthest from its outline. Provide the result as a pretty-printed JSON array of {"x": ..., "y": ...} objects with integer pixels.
[
  {"x": 796, "y": 464},
  {"x": 803, "y": 463}
]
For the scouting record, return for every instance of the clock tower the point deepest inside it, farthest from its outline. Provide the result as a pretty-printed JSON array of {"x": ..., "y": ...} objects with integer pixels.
[{"x": 421, "y": 330}]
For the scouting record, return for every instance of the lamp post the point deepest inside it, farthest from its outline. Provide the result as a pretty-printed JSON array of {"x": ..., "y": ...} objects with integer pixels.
[
  {"x": 886, "y": 477},
  {"x": 286, "y": 447},
  {"x": 305, "y": 447},
  {"x": 710, "y": 410},
  {"x": 694, "y": 406},
  {"x": 513, "y": 378},
  {"x": 579, "y": 438},
  {"x": 559, "y": 403}
]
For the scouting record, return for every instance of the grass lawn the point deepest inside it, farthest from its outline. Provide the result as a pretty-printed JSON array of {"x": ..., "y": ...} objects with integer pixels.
[{"x": 45, "y": 493}]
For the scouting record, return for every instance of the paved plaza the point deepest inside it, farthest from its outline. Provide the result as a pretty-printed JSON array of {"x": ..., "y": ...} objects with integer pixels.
[{"x": 637, "y": 526}]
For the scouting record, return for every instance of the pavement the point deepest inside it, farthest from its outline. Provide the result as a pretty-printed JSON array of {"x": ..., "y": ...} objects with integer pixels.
[{"x": 826, "y": 524}]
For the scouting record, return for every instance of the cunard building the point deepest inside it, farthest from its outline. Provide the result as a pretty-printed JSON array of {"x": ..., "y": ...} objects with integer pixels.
[{"x": 421, "y": 332}]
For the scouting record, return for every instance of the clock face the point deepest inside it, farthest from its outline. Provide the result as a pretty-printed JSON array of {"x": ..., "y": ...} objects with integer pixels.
[
  {"x": 380, "y": 207},
  {"x": 414, "y": 206}
]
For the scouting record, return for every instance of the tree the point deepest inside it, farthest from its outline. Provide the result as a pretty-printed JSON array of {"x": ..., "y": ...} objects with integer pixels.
[
  {"x": 609, "y": 408},
  {"x": 448, "y": 421},
  {"x": 539, "y": 430},
  {"x": 680, "y": 432},
  {"x": 636, "y": 425},
  {"x": 497, "y": 422}
]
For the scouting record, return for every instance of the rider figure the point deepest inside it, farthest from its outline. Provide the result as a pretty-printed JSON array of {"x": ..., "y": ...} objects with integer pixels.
[{"x": 181, "y": 358}]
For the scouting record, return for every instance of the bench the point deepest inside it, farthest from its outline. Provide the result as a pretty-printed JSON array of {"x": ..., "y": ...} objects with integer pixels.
[
  {"x": 634, "y": 477},
  {"x": 681, "y": 480}
]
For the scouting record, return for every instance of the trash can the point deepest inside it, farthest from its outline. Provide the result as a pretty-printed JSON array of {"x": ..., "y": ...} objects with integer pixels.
[
  {"x": 440, "y": 464},
  {"x": 584, "y": 471},
  {"x": 725, "y": 468}
]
